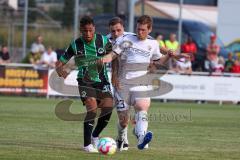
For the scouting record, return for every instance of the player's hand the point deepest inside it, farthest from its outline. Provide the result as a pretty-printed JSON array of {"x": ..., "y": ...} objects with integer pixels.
[
  {"x": 171, "y": 53},
  {"x": 152, "y": 68},
  {"x": 176, "y": 56},
  {"x": 61, "y": 72}
]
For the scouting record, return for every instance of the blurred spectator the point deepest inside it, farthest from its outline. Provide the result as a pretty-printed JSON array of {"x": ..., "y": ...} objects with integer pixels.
[
  {"x": 38, "y": 47},
  {"x": 212, "y": 54},
  {"x": 172, "y": 44},
  {"x": 4, "y": 55},
  {"x": 236, "y": 67},
  {"x": 229, "y": 63},
  {"x": 190, "y": 48},
  {"x": 49, "y": 58},
  {"x": 184, "y": 66},
  {"x": 33, "y": 57},
  {"x": 159, "y": 38},
  {"x": 219, "y": 67}
]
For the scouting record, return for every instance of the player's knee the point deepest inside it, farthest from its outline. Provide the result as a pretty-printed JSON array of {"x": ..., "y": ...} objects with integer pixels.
[
  {"x": 123, "y": 121},
  {"x": 123, "y": 117},
  {"x": 123, "y": 124},
  {"x": 91, "y": 103},
  {"x": 90, "y": 100},
  {"x": 107, "y": 103},
  {"x": 142, "y": 105}
]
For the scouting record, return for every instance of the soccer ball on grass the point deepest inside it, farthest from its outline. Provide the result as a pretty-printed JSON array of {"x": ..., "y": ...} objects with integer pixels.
[{"x": 107, "y": 146}]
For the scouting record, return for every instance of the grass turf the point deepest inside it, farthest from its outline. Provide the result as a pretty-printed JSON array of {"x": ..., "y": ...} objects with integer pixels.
[{"x": 30, "y": 130}]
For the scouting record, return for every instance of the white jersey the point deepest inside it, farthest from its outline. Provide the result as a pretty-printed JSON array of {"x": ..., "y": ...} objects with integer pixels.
[
  {"x": 113, "y": 41},
  {"x": 135, "y": 54}
]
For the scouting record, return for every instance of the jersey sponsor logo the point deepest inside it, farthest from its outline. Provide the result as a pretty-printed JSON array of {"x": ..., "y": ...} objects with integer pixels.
[
  {"x": 126, "y": 44},
  {"x": 138, "y": 51},
  {"x": 101, "y": 50},
  {"x": 127, "y": 47}
]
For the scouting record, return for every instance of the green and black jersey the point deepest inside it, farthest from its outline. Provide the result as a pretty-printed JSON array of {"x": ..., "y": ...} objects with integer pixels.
[{"x": 86, "y": 54}]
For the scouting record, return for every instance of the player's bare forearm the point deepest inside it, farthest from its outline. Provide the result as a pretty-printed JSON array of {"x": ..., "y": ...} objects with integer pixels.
[
  {"x": 109, "y": 57},
  {"x": 59, "y": 64},
  {"x": 168, "y": 53},
  {"x": 115, "y": 66},
  {"x": 164, "y": 50},
  {"x": 163, "y": 60},
  {"x": 59, "y": 69},
  {"x": 115, "y": 82}
]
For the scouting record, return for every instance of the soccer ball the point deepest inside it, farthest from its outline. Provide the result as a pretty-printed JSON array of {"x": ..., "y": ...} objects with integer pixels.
[{"x": 107, "y": 146}]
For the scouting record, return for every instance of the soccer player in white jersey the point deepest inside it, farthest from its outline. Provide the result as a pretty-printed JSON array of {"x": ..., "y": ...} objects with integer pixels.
[
  {"x": 137, "y": 49},
  {"x": 116, "y": 29}
]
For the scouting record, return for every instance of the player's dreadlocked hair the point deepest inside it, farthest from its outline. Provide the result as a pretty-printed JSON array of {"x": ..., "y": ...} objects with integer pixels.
[
  {"x": 85, "y": 21},
  {"x": 145, "y": 19}
]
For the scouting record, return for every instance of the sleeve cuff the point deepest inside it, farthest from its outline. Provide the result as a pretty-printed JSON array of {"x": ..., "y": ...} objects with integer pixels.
[
  {"x": 116, "y": 49},
  {"x": 63, "y": 60}
]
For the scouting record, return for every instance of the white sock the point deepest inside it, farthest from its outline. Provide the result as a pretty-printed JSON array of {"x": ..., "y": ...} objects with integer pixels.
[
  {"x": 141, "y": 123},
  {"x": 122, "y": 133}
]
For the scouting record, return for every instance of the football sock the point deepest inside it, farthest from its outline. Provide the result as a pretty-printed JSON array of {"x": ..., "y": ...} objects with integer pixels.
[
  {"x": 141, "y": 123},
  {"x": 122, "y": 133},
  {"x": 88, "y": 127},
  {"x": 103, "y": 119}
]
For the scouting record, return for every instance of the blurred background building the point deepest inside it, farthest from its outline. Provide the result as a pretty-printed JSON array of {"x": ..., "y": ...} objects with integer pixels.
[{"x": 50, "y": 17}]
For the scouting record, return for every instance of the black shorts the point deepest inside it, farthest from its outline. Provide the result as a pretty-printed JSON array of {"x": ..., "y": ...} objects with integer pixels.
[{"x": 98, "y": 90}]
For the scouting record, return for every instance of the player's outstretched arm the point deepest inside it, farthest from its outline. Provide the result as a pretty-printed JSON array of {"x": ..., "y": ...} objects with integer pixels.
[
  {"x": 115, "y": 79},
  {"x": 168, "y": 53},
  {"x": 116, "y": 50},
  {"x": 107, "y": 58},
  {"x": 110, "y": 57}
]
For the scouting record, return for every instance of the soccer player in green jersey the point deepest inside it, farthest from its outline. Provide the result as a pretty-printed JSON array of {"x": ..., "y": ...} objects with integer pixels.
[{"x": 93, "y": 83}]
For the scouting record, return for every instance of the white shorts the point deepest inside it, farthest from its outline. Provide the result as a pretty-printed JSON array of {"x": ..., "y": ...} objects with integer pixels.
[{"x": 128, "y": 95}]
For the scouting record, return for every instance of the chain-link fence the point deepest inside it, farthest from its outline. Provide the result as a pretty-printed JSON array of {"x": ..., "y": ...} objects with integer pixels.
[{"x": 44, "y": 19}]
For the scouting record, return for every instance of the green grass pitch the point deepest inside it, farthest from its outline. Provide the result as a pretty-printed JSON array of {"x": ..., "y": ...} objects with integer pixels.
[{"x": 29, "y": 130}]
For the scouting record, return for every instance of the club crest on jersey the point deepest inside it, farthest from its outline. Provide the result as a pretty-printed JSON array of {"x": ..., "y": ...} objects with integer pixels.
[
  {"x": 101, "y": 50},
  {"x": 125, "y": 44}
]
